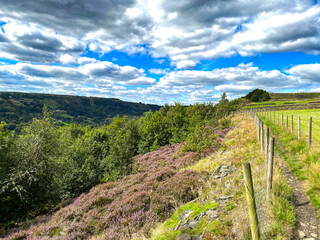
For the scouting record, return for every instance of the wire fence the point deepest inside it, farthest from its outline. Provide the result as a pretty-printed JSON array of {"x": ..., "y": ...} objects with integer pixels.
[
  {"x": 240, "y": 224},
  {"x": 305, "y": 127}
]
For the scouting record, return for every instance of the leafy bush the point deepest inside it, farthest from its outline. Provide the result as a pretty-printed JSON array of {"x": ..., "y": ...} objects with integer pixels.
[
  {"x": 258, "y": 95},
  {"x": 30, "y": 181},
  {"x": 199, "y": 140}
]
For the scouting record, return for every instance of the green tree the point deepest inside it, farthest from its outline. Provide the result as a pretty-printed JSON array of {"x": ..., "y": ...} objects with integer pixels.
[
  {"x": 82, "y": 160},
  {"x": 30, "y": 183},
  {"x": 123, "y": 145},
  {"x": 222, "y": 107},
  {"x": 258, "y": 95},
  {"x": 177, "y": 122},
  {"x": 153, "y": 131}
]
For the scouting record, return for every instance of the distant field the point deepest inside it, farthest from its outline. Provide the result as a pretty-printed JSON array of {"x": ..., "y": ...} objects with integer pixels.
[
  {"x": 282, "y": 103},
  {"x": 304, "y": 116}
]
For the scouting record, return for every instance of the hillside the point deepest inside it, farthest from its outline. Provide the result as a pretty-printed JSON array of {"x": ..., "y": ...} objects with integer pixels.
[
  {"x": 129, "y": 206},
  {"x": 17, "y": 109},
  {"x": 176, "y": 195}
]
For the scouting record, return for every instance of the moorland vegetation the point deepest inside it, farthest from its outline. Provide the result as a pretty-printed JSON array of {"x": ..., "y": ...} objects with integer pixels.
[{"x": 45, "y": 165}]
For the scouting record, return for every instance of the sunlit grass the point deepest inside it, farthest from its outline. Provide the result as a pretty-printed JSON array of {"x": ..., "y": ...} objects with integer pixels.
[
  {"x": 240, "y": 145},
  {"x": 279, "y": 103},
  {"x": 303, "y": 160},
  {"x": 304, "y": 122}
]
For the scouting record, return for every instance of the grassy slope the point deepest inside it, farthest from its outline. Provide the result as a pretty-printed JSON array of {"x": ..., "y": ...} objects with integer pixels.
[
  {"x": 303, "y": 160},
  {"x": 166, "y": 184},
  {"x": 240, "y": 146}
]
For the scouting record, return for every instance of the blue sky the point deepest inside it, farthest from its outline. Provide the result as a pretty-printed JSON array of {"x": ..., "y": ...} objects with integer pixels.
[{"x": 159, "y": 51}]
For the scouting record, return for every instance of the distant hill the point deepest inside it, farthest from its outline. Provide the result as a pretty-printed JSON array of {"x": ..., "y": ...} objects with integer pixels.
[
  {"x": 17, "y": 109},
  {"x": 294, "y": 96}
]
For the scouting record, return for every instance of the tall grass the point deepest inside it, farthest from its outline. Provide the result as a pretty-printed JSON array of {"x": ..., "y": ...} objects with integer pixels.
[
  {"x": 240, "y": 145},
  {"x": 303, "y": 160}
]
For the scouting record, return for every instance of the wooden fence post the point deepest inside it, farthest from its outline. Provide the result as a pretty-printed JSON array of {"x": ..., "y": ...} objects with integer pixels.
[
  {"x": 287, "y": 122},
  {"x": 252, "y": 210},
  {"x": 270, "y": 168},
  {"x": 262, "y": 137},
  {"x": 299, "y": 128},
  {"x": 258, "y": 130},
  {"x": 310, "y": 131},
  {"x": 281, "y": 119},
  {"x": 278, "y": 118},
  {"x": 291, "y": 123},
  {"x": 267, "y": 141},
  {"x": 274, "y": 116}
]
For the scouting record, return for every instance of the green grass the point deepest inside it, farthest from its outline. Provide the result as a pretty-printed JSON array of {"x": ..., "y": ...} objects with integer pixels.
[
  {"x": 303, "y": 160},
  {"x": 280, "y": 103},
  {"x": 239, "y": 142},
  {"x": 282, "y": 208},
  {"x": 172, "y": 222},
  {"x": 304, "y": 119}
]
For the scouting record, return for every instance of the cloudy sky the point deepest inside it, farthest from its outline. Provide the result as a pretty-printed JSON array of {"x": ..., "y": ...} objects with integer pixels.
[{"x": 159, "y": 51}]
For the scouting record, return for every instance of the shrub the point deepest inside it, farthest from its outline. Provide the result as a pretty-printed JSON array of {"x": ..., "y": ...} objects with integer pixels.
[{"x": 258, "y": 95}]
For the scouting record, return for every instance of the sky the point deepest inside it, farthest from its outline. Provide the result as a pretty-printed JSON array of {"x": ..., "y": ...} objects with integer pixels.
[{"x": 159, "y": 51}]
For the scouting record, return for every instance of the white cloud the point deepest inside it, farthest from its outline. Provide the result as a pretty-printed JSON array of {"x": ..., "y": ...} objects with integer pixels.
[
  {"x": 158, "y": 71},
  {"x": 186, "y": 64},
  {"x": 64, "y": 79},
  {"x": 243, "y": 74},
  {"x": 307, "y": 72},
  {"x": 233, "y": 88},
  {"x": 315, "y": 89},
  {"x": 185, "y": 31},
  {"x": 188, "y": 86},
  {"x": 50, "y": 38}
]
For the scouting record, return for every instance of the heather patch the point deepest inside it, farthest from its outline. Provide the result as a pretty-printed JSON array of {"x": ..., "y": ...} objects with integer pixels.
[
  {"x": 129, "y": 206},
  {"x": 117, "y": 210}
]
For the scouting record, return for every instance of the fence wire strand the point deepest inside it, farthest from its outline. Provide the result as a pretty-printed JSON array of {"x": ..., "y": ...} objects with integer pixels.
[{"x": 259, "y": 198}]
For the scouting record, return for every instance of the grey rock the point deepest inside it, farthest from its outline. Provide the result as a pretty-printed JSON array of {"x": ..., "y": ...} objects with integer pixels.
[
  {"x": 217, "y": 170},
  {"x": 216, "y": 176},
  {"x": 224, "y": 174},
  {"x": 177, "y": 227},
  {"x": 224, "y": 168},
  {"x": 190, "y": 224},
  {"x": 185, "y": 225},
  {"x": 212, "y": 213},
  {"x": 232, "y": 169},
  {"x": 313, "y": 235},
  {"x": 184, "y": 236},
  {"x": 227, "y": 184},
  {"x": 184, "y": 215},
  {"x": 301, "y": 234},
  {"x": 201, "y": 215},
  {"x": 194, "y": 224}
]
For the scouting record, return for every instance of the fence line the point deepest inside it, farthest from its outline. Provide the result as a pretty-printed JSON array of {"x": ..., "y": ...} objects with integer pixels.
[
  {"x": 260, "y": 195},
  {"x": 300, "y": 125}
]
